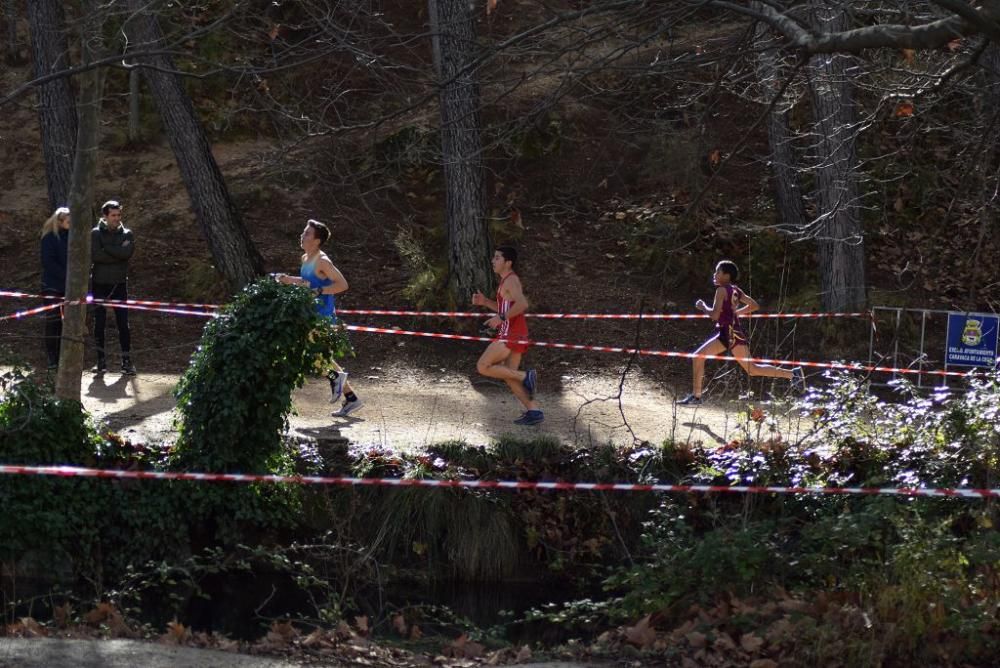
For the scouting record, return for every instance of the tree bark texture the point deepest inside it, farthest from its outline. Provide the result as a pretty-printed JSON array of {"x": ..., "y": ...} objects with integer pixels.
[
  {"x": 930, "y": 34},
  {"x": 81, "y": 203},
  {"x": 56, "y": 102},
  {"x": 236, "y": 257},
  {"x": 986, "y": 174},
  {"x": 10, "y": 18},
  {"x": 134, "y": 93},
  {"x": 838, "y": 228},
  {"x": 454, "y": 43},
  {"x": 782, "y": 158}
]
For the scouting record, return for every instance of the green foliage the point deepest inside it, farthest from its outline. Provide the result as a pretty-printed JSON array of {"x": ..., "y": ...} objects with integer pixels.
[
  {"x": 428, "y": 277},
  {"x": 234, "y": 401},
  {"x": 923, "y": 571},
  {"x": 44, "y": 513},
  {"x": 243, "y": 588},
  {"x": 541, "y": 138},
  {"x": 457, "y": 533},
  {"x": 236, "y": 395},
  {"x": 486, "y": 535}
]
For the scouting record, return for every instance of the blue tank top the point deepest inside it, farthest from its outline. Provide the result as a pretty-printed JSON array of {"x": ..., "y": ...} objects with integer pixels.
[{"x": 325, "y": 304}]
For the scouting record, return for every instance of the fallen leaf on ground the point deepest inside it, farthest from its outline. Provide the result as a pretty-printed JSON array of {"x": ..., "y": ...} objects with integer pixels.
[
  {"x": 641, "y": 634},
  {"x": 177, "y": 634},
  {"x": 750, "y": 642}
]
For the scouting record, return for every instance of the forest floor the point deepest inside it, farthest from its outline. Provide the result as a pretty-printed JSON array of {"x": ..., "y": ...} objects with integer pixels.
[{"x": 79, "y": 653}]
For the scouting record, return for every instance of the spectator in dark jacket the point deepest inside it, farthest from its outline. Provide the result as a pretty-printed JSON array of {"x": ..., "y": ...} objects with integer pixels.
[
  {"x": 111, "y": 247},
  {"x": 55, "y": 240}
]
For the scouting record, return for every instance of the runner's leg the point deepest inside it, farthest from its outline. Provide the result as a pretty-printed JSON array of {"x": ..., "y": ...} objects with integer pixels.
[
  {"x": 742, "y": 353},
  {"x": 517, "y": 387},
  {"x": 491, "y": 363},
  {"x": 711, "y": 347}
]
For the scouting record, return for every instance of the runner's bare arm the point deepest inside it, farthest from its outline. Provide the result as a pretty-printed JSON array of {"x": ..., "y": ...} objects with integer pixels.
[
  {"x": 716, "y": 308},
  {"x": 326, "y": 269},
  {"x": 512, "y": 291},
  {"x": 288, "y": 279},
  {"x": 479, "y": 299},
  {"x": 749, "y": 304}
]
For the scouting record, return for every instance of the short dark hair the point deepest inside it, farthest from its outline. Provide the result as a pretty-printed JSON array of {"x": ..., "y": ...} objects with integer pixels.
[
  {"x": 729, "y": 268},
  {"x": 322, "y": 231},
  {"x": 109, "y": 205},
  {"x": 509, "y": 253}
]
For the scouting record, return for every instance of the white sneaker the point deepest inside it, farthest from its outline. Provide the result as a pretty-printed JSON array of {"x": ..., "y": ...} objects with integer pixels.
[
  {"x": 337, "y": 386},
  {"x": 348, "y": 407}
]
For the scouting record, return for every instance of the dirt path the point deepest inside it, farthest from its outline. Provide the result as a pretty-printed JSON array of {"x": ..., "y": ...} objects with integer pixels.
[
  {"x": 70, "y": 653},
  {"x": 406, "y": 411}
]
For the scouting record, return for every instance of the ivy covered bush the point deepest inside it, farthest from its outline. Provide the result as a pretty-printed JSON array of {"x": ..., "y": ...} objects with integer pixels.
[
  {"x": 36, "y": 428},
  {"x": 236, "y": 395},
  {"x": 234, "y": 402}
]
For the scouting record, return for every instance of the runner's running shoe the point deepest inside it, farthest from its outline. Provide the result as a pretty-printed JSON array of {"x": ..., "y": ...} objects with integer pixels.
[
  {"x": 337, "y": 380},
  {"x": 348, "y": 407},
  {"x": 530, "y": 417},
  {"x": 690, "y": 400}
]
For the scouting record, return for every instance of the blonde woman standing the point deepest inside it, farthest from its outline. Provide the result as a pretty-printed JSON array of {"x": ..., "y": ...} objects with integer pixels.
[{"x": 55, "y": 244}]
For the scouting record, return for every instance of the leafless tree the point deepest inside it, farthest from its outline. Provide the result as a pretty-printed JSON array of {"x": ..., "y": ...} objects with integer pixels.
[
  {"x": 10, "y": 19},
  {"x": 81, "y": 199},
  {"x": 454, "y": 34},
  {"x": 56, "y": 101},
  {"x": 353, "y": 97},
  {"x": 233, "y": 250},
  {"x": 783, "y": 159}
]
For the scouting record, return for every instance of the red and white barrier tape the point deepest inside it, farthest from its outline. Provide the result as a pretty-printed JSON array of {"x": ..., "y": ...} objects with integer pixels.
[
  {"x": 468, "y": 314},
  {"x": 107, "y": 302},
  {"x": 592, "y": 316},
  {"x": 660, "y": 353},
  {"x": 857, "y": 366},
  {"x": 158, "y": 309},
  {"x": 76, "y": 471},
  {"x": 31, "y": 311},
  {"x": 138, "y": 302}
]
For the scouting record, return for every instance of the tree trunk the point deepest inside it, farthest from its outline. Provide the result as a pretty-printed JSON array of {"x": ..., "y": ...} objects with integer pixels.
[
  {"x": 838, "y": 228},
  {"x": 81, "y": 203},
  {"x": 987, "y": 170},
  {"x": 134, "y": 92},
  {"x": 454, "y": 42},
  {"x": 233, "y": 250},
  {"x": 782, "y": 159},
  {"x": 56, "y": 104},
  {"x": 10, "y": 17}
]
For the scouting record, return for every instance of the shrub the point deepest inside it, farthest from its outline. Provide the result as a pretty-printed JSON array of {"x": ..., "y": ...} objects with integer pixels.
[
  {"x": 236, "y": 395},
  {"x": 44, "y": 513}
]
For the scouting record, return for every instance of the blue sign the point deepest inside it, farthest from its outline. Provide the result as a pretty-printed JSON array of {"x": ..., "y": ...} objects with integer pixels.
[{"x": 972, "y": 340}]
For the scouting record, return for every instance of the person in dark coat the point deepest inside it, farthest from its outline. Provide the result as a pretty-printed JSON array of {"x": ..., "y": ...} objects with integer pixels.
[
  {"x": 55, "y": 243},
  {"x": 111, "y": 247}
]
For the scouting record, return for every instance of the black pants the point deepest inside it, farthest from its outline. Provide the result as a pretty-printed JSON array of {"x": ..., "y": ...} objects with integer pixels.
[
  {"x": 53, "y": 327},
  {"x": 112, "y": 291}
]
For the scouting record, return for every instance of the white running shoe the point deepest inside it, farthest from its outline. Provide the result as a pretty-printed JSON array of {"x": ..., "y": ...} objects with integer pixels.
[
  {"x": 348, "y": 407},
  {"x": 337, "y": 386}
]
